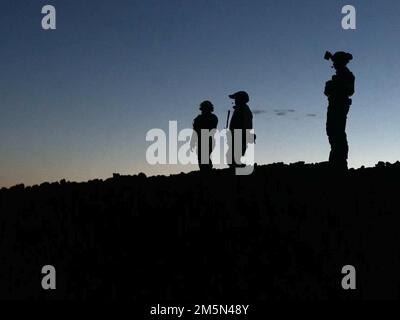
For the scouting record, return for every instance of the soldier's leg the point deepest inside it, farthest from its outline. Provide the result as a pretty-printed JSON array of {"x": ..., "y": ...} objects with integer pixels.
[
  {"x": 330, "y": 131},
  {"x": 199, "y": 159},
  {"x": 210, "y": 150},
  {"x": 346, "y": 144},
  {"x": 244, "y": 142},
  {"x": 244, "y": 149},
  {"x": 230, "y": 152},
  {"x": 342, "y": 150},
  {"x": 332, "y": 152},
  {"x": 240, "y": 147},
  {"x": 234, "y": 148},
  {"x": 202, "y": 166},
  {"x": 343, "y": 147}
]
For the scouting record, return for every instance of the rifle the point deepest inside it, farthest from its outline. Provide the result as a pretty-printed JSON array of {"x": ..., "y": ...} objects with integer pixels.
[{"x": 227, "y": 119}]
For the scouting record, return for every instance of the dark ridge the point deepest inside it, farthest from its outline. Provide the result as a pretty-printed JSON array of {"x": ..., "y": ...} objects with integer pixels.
[{"x": 284, "y": 232}]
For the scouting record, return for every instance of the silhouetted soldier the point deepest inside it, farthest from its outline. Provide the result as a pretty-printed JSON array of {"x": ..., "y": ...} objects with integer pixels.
[
  {"x": 242, "y": 120},
  {"x": 204, "y": 121},
  {"x": 338, "y": 90}
]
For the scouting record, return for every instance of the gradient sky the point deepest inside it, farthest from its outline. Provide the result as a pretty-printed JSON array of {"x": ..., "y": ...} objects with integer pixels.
[{"x": 76, "y": 102}]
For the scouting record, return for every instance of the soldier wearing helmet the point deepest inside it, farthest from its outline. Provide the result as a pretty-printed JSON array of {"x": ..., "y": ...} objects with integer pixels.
[
  {"x": 203, "y": 125},
  {"x": 339, "y": 90}
]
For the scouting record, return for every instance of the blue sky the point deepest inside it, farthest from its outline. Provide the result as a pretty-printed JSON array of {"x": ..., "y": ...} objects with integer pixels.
[{"x": 76, "y": 102}]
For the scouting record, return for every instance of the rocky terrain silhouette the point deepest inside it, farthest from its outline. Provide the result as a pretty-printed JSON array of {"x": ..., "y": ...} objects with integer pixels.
[{"x": 284, "y": 232}]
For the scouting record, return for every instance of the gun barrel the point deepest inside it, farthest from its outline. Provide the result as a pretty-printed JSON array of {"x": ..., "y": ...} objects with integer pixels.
[{"x": 227, "y": 119}]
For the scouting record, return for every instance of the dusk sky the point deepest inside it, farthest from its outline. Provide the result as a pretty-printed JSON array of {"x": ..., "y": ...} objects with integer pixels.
[{"x": 77, "y": 102}]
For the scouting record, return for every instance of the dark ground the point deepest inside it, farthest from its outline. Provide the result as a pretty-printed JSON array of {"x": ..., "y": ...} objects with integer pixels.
[{"x": 284, "y": 232}]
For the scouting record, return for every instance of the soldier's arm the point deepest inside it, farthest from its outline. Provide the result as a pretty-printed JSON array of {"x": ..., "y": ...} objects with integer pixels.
[
  {"x": 328, "y": 88},
  {"x": 350, "y": 85},
  {"x": 248, "y": 120}
]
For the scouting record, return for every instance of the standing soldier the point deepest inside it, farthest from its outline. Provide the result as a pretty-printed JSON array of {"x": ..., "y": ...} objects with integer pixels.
[
  {"x": 206, "y": 121},
  {"x": 339, "y": 90},
  {"x": 242, "y": 120}
]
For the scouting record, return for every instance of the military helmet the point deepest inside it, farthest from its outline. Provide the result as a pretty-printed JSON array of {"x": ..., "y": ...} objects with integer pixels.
[
  {"x": 206, "y": 106},
  {"x": 339, "y": 57},
  {"x": 241, "y": 95}
]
